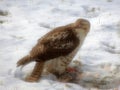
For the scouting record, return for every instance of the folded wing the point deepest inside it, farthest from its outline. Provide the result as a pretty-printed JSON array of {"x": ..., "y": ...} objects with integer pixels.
[{"x": 53, "y": 45}]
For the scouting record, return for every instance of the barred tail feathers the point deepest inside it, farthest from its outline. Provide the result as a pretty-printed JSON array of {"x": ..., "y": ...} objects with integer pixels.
[{"x": 25, "y": 60}]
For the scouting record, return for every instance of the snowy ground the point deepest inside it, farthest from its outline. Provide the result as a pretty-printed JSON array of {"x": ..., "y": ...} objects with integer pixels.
[{"x": 28, "y": 20}]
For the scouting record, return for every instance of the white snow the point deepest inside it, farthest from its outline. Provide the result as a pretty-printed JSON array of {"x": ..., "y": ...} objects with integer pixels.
[{"x": 28, "y": 20}]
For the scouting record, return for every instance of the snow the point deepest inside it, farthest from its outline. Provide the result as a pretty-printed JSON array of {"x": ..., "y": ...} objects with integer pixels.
[{"x": 28, "y": 20}]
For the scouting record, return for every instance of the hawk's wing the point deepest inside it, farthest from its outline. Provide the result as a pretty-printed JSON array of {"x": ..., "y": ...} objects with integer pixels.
[{"x": 55, "y": 44}]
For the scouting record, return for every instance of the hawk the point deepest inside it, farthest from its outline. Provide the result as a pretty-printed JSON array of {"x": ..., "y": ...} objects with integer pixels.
[{"x": 56, "y": 49}]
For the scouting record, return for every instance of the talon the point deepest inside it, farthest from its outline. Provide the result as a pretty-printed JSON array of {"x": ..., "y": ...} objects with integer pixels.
[{"x": 31, "y": 79}]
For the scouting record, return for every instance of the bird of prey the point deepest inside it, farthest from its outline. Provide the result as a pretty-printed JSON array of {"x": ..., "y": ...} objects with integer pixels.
[{"x": 56, "y": 48}]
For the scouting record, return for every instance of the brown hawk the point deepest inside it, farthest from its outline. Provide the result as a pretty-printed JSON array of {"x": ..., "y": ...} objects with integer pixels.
[{"x": 57, "y": 48}]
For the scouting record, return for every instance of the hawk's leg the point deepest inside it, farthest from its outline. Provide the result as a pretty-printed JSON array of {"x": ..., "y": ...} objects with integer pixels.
[{"x": 36, "y": 73}]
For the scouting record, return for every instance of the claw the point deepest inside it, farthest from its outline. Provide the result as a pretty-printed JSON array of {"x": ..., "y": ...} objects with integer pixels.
[{"x": 31, "y": 79}]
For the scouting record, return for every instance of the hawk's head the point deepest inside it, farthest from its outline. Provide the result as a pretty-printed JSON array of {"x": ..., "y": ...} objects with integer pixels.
[
  {"x": 81, "y": 27},
  {"x": 82, "y": 24}
]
